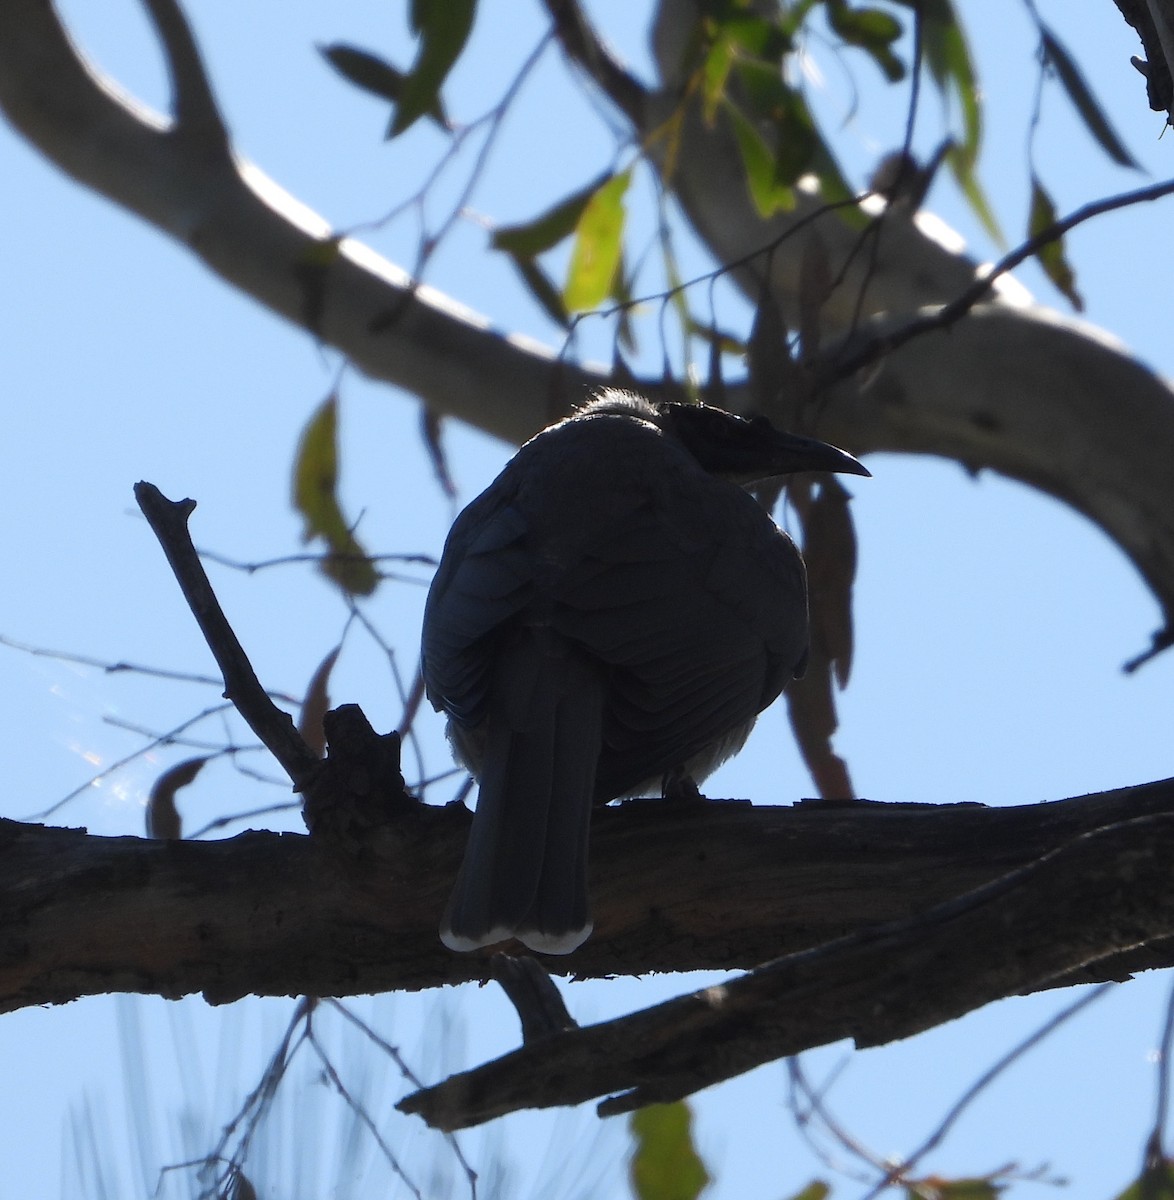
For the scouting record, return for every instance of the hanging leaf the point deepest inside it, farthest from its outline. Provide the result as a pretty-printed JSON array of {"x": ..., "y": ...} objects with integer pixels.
[
  {"x": 598, "y": 241},
  {"x": 952, "y": 70},
  {"x": 315, "y": 496},
  {"x": 811, "y": 700},
  {"x": 665, "y": 1164},
  {"x": 443, "y": 27},
  {"x": 872, "y": 30},
  {"x": 163, "y": 819},
  {"x": 715, "y": 72},
  {"x": 373, "y": 74},
  {"x": 550, "y": 227},
  {"x": 768, "y": 195},
  {"x": 954, "y": 1189},
  {"x": 315, "y": 705},
  {"x": 765, "y": 37},
  {"x": 621, "y": 295},
  {"x": 815, "y": 1190},
  {"x": 1051, "y": 254},
  {"x": 432, "y": 429},
  {"x": 963, "y": 171},
  {"x": 829, "y": 549},
  {"x": 1084, "y": 101},
  {"x": 542, "y": 289}
]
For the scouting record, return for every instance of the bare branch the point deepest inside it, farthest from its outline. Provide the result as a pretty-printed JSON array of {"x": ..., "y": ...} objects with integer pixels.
[
  {"x": 843, "y": 365},
  {"x": 275, "y": 729},
  {"x": 874, "y": 986},
  {"x": 723, "y": 886}
]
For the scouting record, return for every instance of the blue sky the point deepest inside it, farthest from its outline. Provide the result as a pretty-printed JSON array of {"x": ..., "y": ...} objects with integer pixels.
[{"x": 991, "y": 623}]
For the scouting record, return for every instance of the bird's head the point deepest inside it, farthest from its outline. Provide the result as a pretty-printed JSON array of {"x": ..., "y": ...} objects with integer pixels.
[{"x": 740, "y": 449}]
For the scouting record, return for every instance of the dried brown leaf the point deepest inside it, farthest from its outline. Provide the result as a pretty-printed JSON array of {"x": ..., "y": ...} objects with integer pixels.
[
  {"x": 316, "y": 703},
  {"x": 829, "y": 549},
  {"x": 163, "y": 819}
]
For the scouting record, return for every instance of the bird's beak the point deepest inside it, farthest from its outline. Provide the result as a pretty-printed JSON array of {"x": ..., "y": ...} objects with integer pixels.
[{"x": 786, "y": 453}]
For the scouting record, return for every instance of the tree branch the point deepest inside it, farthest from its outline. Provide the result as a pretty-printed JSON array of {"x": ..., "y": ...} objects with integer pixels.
[
  {"x": 274, "y": 728},
  {"x": 875, "y": 986},
  {"x": 584, "y": 46},
  {"x": 249, "y": 231},
  {"x": 721, "y": 885}
]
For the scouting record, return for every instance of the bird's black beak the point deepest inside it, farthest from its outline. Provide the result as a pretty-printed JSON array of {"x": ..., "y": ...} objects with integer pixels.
[
  {"x": 745, "y": 451},
  {"x": 787, "y": 453}
]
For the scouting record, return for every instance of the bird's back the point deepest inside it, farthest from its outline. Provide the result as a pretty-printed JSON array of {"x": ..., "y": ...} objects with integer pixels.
[{"x": 672, "y": 583}]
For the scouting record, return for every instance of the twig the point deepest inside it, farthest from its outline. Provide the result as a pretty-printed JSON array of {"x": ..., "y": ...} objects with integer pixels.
[
  {"x": 899, "y": 1172},
  {"x": 656, "y": 1055},
  {"x": 171, "y": 738},
  {"x": 840, "y": 366},
  {"x": 273, "y": 727},
  {"x": 1155, "y": 1157}
]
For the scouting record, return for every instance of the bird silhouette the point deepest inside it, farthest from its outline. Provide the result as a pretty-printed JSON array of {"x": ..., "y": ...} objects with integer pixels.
[{"x": 612, "y": 612}]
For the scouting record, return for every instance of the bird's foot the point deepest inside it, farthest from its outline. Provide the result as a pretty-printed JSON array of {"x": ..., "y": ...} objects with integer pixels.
[{"x": 678, "y": 787}]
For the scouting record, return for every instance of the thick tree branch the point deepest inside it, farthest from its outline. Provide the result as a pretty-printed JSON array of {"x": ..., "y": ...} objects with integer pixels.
[
  {"x": 719, "y": 885},
  {"x": 874, "y": 987},
  {"x": 250, "y": 232}
]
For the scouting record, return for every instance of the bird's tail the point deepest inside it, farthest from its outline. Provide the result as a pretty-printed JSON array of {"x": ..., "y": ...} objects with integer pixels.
[{"x": 525, "y": 868}]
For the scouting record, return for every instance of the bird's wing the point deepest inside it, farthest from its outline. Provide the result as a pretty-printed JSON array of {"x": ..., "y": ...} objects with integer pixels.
[
  {"x": 485, "y": 578},
  {"x": 699, "y": 607}
]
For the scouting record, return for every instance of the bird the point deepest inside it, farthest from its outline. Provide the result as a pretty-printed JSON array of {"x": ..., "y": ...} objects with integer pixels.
[{"x": 608, "y": 619}]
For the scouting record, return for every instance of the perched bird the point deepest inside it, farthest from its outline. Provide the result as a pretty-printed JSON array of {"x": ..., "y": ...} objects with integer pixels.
[{"x": 612, "y": 612}]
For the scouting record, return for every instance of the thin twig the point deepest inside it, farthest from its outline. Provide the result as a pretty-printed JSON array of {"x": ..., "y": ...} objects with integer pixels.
[
  {"x": 1155, "y": 1156},
  {"x": 840, "y": 366},
  {"x": 899, "y": 1173},
  {"x": 396, "y": 1056}
]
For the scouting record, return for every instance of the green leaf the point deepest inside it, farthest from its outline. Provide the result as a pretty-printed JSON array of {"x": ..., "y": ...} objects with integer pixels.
[
  {"x": 315, "y": 496},
  {"x": 962, "y": 168},
  {"x": 542, "y": 289},
  {"x": 955, "y": 1189},
  {"x": 872, "y": 30},
  {"x": 443, "y": 27},
  {"x": 1155, "y": 1183},
  {"x": 665, "y": 1164},
  {"x": 952, "y": 68},
  {"x": 598, "y": 241},
  {"x": 550, "y": 227},
  {"x": 373, "y": 74},
  {"x": 1051, "y": 255},
  {"x": 715, "y": 70},
  {"x": 758, "y": 36},
  {"x": 815, "y": 1190},
  {"x": 768, "y": 195},
  {"x": 797, "y": 141},
  {"x": 1084, "y": 101}
]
